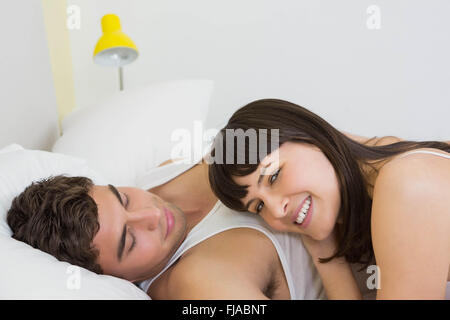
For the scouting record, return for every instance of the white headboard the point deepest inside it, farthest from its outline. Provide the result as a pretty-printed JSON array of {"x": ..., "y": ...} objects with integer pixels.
[{"x": 28, "y": 110}]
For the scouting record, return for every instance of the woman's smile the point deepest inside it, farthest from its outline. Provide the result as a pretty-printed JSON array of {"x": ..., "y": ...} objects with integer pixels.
[{"x": 303, "y": 213}]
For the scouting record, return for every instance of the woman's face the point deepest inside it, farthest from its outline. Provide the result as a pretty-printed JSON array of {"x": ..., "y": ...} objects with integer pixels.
[{"x": 303, "y": 174}]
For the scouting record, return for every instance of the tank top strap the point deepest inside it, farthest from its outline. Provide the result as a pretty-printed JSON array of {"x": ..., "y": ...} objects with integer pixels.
[{"x": 427, "y": 152}]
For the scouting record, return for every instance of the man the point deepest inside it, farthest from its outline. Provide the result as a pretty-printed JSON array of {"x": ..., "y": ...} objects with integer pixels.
[{"x": 136, "y": 234}]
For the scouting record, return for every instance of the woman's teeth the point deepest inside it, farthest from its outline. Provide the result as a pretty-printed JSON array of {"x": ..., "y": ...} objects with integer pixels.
[{"x": 303, "y": 212}]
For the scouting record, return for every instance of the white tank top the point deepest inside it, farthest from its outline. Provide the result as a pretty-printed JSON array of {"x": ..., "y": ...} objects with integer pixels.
[{"x": 302, "y": 277}]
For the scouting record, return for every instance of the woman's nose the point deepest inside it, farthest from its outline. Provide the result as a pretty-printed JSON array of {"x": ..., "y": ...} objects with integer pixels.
[{"x": 279, "y": 208}]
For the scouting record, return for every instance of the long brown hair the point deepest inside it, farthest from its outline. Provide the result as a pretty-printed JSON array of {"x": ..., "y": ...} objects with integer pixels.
[{"x": 295, "y": 123}]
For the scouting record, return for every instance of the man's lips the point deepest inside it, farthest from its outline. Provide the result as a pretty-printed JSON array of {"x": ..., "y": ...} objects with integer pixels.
[{"x": 169, "y": 221}]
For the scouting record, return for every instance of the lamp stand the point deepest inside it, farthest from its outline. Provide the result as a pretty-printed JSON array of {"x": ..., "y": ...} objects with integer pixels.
[{"x": 120, "y": 78}]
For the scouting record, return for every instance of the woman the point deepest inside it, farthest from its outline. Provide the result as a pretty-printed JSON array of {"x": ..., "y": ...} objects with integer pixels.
[{"x": 351, "y": 202}]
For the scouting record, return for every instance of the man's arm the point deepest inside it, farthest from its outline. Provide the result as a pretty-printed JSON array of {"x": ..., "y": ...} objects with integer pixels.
[
  {"x": 232, "y": 265},
  {"x": 211, "y": 280}
]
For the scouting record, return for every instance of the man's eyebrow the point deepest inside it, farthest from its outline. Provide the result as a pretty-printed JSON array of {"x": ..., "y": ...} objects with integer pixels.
[
  {"x": 124, "y": 230},
  {"x": 261, "y": 176},
  {"x": 115, "y": 192}
]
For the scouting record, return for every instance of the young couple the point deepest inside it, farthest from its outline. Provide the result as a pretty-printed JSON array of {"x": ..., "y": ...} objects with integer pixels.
[{"x": 290, "y": 225}]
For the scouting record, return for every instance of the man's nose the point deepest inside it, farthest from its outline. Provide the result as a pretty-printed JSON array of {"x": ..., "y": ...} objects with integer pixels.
[{"x": 148, "y": 217}]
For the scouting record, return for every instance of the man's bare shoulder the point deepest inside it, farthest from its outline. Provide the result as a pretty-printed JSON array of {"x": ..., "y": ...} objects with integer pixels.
[
  {"x": 234, "y": 248},
  {"x": 237, "y": 262}
]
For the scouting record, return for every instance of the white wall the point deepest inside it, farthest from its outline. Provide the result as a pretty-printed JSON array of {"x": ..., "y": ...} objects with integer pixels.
[
  {"x": 319, "y": 54},
  {"x": 28, "y": 113}
]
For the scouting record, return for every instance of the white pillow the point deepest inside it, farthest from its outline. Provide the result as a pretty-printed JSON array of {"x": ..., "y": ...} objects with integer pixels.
[
  {"x": 28, "y": 273},
  {"x": 130, "y": 132}
]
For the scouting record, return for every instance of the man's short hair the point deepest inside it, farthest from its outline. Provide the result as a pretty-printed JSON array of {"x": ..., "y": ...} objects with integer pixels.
[{"x": 58, "y": 216}]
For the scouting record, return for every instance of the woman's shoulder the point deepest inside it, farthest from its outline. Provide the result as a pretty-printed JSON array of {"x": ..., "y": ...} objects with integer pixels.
[
  {"x": 409, "y": 164},
  {"x": 414, "y": 180},
  {"x": 424, "y": 153},
  {"x": 424, "y": 167}
]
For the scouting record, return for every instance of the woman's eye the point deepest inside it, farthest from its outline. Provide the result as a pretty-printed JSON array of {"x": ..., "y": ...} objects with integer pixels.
[
  {"x": 258, "y": 207},
  {"x": 271, "y": 179}
]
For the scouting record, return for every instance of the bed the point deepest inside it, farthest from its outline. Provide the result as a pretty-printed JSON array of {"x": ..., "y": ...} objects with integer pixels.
[{"x": 34, "y": 145}]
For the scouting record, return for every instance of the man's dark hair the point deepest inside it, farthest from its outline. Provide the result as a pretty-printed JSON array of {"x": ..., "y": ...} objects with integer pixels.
[{"x": 58, "y": 216}]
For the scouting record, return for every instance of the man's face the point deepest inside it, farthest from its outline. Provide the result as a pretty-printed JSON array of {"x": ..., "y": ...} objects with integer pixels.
[{"x": 139, "y": 231}]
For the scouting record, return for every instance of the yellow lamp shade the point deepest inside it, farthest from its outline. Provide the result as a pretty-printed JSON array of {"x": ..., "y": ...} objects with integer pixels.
[{"x": 114, "y": 48}]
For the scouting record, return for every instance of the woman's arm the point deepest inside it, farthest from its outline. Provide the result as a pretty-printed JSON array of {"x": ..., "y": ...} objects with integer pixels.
[
  {"x": 336, "y": 275},
  {"x": 411, "y": 227}
]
